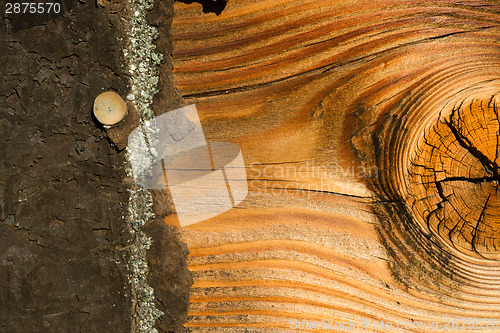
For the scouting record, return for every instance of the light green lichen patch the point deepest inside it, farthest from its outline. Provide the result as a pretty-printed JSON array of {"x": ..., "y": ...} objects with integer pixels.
[
  {"x": 143, "y": 60},
  {"x": 143, "y": 64}
]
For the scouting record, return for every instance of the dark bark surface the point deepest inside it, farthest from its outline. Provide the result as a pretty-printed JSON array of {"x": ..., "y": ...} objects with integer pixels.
[
  {"x": 63, "y": 200},
  {"x": 169, "y": 275}
]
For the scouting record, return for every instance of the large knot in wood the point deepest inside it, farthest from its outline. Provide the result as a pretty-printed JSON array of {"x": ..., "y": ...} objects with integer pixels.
[{"x": 454, "y": 179}]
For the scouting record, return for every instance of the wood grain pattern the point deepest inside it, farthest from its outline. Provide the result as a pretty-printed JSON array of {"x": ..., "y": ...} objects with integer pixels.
[{"x": 350, "y": 116}]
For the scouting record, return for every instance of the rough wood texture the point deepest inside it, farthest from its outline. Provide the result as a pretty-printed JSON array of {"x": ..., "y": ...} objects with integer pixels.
[
  {"x": 370, "y": 134},
  {"x": 66, "y": 245},
  {"x": 63, "y": 237},
  {"x": 455, "y": 179}
]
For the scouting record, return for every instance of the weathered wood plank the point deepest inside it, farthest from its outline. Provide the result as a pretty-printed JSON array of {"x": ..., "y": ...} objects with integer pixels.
[{"x": 337, "y": 107}]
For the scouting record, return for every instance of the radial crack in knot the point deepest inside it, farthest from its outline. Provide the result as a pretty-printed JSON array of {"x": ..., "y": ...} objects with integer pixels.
[{"x": 454, "y": 179}]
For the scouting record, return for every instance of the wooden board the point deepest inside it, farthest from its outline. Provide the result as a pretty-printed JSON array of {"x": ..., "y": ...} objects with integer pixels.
[{"x": 340, "y": 109}]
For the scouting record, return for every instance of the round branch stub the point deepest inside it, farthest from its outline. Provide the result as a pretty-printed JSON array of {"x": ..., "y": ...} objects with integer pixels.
[{"x": 109, "y": 108}]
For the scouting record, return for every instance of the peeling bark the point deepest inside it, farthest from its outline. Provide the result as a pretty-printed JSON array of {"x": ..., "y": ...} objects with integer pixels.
[{"x": 63, "y": 195}]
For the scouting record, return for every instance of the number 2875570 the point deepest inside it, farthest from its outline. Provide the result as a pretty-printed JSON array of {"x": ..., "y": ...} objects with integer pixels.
[{"x": 32, "y": 7}]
